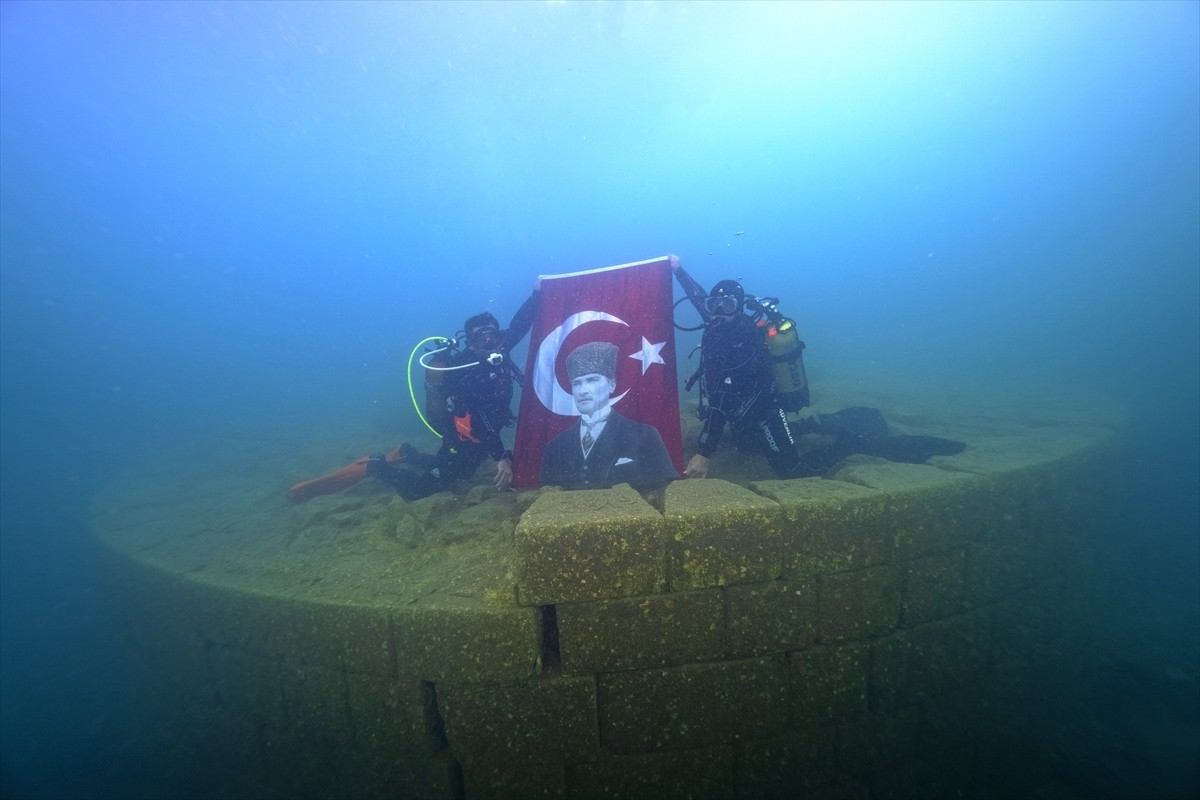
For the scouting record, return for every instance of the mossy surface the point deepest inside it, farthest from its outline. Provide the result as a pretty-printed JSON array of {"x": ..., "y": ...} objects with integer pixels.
[
  {"x": 763, "y": 636},
  {"x": 590, "y": 545},
  {"x": 721, "y": 533},
  {"x": 635, "y": 632}
]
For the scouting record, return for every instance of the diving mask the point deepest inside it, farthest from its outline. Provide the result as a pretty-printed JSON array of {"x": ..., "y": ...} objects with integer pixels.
[
  {"x": 486, "y": 337},
  {"x": 722, "y": 305}
]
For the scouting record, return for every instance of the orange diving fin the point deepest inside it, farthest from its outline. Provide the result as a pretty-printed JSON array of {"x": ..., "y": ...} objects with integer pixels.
[{"x": 344, "y": 478}]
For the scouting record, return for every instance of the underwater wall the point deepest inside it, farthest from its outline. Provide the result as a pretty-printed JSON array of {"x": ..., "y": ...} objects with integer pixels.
[{"x": 899, "y": 630}]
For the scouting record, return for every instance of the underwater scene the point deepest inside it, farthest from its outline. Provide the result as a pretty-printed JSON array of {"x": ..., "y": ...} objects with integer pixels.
[{"x": 372, "y": 419}]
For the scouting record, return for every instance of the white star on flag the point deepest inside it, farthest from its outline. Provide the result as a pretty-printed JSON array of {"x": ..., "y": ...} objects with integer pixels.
[{"x": 649, "y": 354}]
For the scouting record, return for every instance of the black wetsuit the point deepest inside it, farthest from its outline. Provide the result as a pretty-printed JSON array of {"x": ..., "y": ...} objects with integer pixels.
[
  {"x": 477, "y": 407},
  {"x": 737, "y": 383},
  {"x": 626, "y": 451}
]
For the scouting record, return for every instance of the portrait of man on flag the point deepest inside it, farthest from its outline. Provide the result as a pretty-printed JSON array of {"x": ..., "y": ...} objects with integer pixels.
[{"x": 601, "y": 381}]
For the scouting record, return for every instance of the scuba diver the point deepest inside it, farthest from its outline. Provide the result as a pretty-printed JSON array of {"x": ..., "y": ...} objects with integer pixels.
[
  {"x": 751, "y": 374},
  {"x": 469, "y": 396}
]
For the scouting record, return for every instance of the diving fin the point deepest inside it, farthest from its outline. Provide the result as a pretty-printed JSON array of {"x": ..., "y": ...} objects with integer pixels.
[
  {"x": 344, "y": 478},
  {"x": 912, "y": 449}
]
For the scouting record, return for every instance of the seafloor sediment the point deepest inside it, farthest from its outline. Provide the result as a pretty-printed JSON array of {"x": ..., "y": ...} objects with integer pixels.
[{"x": 882, "y": 629}]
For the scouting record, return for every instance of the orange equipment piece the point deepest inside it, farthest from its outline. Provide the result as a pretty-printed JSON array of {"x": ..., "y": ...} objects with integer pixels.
[
  {"x": 344, "y": 478},
  {"x": 463, "y": 426}
]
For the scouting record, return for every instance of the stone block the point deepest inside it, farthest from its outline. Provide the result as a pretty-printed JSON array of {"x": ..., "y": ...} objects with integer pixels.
[
  {"x": 544, "y": 720},
  {"x": 301, "y": 763},
  {"x": 772, "y": 617},
  {"x": 292, "y": 629},
  {"x": 933, "y": 586},
  {"x": 929, "y": 510},
  {"x": 720, "y": 533},
  {"x": 693, "y": 706},
  {"x": 636, "y": 632},
  {"x": 391, "y": 718},
  {"x": 828, "y": 684},
  {"x": 464, "y": 640},
  {"x": 925, "y": 662},
  {"x": 860, "y": 604},
  {"x": 590, "y": 545},
  {"x": 799, "y": 765},
  {"x": 247, "y": 687},
  {"x": 707, "y": 773},
  {"x": 1020, "y": 503},
  {"x": 315, "y": 700},
  {"x": 832, "y": 526},
  {"x": 512, "y": 780},
  {"x": 878, "y": 741},
  {"x": 995, "y": 569},
  {"x": 155, "y": 621},
  {"x": 371, "y": 774},
  {"x": 328, "y": 635}
]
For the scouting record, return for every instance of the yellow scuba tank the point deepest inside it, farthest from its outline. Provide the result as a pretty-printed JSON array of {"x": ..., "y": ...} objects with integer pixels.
[{"x": 787, "y": 357}]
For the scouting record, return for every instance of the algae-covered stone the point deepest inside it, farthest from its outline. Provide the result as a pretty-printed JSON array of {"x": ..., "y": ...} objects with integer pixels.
[
  {"x": 696, "y": 705},
  {"x": 773, "y": 617},
  {"x": 705, "y": 773},
  {"x": 463, "y": 639},
  {"x": 880, "y": 740},
  {"x": 246, "y": 686},
  {"x": 653, "y": 630},
  {"x": 929, "y": 510},
  {"x": 859, "y": 604},
  {"x": 495, "y": 515},
  {"x": 544, "y": 720},
  {"x": 509, "y": 779},
  {"x": 316, "y": 699},
  {"x": 590, "y": 545},
  {"x": 997, "y": 568},
  {"x": 829, "y": 684},
  {"x": 312, "y": 642},
  {"x": 721, "y": 533},
  {"x": 799, "y": 764},
  {"x": 389, "y": 717},
  {"x": 933, "y": 586},
  {"x": 929, "y": 660},
  {"x": 832, "y": 526}
]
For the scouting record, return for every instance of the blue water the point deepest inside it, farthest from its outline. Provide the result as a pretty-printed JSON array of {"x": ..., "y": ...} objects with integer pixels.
[{"x": 223, "y": 216}]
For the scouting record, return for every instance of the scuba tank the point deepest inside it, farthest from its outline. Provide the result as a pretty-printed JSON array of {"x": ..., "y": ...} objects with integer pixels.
[
  {"x": 787, "y": 353},
  {"x": 435, "y": 394},
  {"x": 787, "y": 357},
  {"x": 435, "y": 364}
]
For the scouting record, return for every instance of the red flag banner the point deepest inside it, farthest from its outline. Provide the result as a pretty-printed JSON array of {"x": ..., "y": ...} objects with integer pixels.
[{"x": 630, "y": 306}]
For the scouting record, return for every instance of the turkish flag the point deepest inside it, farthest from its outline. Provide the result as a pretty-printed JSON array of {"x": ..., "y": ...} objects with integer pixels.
[{"x": 629, "y": 305}]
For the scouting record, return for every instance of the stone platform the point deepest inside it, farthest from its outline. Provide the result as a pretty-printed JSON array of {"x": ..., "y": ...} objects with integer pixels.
[{"x": 875, "y": 634}]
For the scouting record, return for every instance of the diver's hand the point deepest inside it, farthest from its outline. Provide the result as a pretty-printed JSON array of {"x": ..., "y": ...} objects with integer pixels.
[
  {"x": 675, "y": 263},
  {"x": 697, "y": 467},
  {"x": 503, "y": 474}
]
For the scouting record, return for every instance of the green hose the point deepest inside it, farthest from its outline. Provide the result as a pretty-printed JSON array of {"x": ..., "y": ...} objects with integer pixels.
[{"x": 412, "y": 392}]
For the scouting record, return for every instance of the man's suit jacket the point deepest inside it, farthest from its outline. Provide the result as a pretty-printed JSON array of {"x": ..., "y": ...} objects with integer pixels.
[{"x": 624, "y": 452}]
